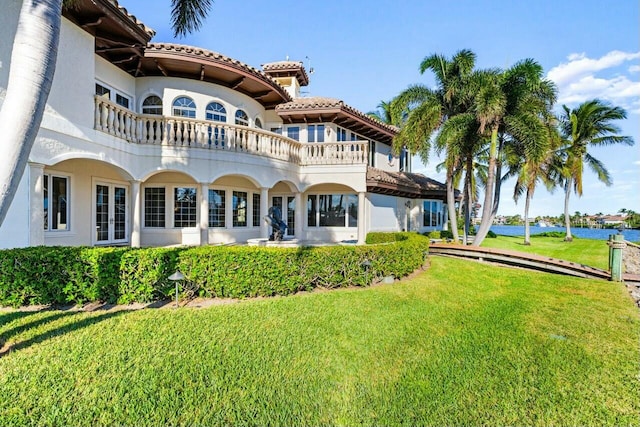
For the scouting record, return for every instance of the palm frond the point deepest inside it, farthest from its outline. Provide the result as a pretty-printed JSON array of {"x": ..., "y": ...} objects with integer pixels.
[
  {"x": 598, "y": 168},
  {"x": 187, "y": 15}
]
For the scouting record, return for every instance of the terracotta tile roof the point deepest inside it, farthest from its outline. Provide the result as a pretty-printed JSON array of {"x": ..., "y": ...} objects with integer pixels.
[
  {"x": 288, "y": 68},
  {"x": 200, "y": 52},
  {"x": 404, "y": 184},
  {"x": 311, "y": 102},
  {"x": 319, "y": 103},
  {"x": 282, "y": 65},
  {"x": 135, "y": 21}
]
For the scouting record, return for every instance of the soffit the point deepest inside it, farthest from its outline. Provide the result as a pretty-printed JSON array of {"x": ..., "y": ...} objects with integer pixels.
[
  {"x": 172, "y": 60},
  {"x": 120, "y": 37}
]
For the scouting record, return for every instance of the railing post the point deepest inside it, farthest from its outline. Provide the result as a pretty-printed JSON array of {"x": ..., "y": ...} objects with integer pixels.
[
  {"x": 610, "y": 250},
  {"x": 617, "y": 246}
]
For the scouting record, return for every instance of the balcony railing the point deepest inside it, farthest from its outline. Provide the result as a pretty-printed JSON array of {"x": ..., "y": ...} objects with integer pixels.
[{"x": 181, "y": 132}]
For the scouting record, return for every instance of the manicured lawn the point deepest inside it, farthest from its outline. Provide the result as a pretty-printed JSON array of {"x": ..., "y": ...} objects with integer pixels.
[
  {"x": 584, "y": 251},
  {"x": 462, "y": 344}
]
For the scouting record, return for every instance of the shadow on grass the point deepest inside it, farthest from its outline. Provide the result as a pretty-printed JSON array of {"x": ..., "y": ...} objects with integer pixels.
[
  {"x": 61, "y": 330},
  {"x": 10, "y": 316},
  {"x": 4, "y": 336}
]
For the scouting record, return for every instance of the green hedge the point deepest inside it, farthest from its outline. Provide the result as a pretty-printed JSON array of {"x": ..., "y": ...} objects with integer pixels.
[
  {"x": 63, "y": 275},
  {"x": 380, "y": 237}
]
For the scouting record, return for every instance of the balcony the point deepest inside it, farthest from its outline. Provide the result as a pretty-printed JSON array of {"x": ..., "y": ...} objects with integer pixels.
[{"x": 144, "y": 129}]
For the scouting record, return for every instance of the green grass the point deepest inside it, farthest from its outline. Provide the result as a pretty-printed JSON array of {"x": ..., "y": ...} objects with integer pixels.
[
  {"x": 584, "y": 251},
  {"x": 461, "y": 344}
]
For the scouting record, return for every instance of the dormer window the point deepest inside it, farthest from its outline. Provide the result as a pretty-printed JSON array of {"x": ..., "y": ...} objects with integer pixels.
[
  {"x": 184, "y": 107},
  {"x": 241, "y": 118}
]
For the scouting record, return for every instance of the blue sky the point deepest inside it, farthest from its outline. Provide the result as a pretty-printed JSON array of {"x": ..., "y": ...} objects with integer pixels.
[{"x": 367, "y": 51}]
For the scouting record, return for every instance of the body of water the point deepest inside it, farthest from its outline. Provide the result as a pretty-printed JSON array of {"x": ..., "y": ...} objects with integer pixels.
[{"x": 585, "y": 233}]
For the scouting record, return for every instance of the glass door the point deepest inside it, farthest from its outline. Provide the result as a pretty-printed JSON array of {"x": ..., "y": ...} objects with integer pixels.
[
  {"x": 111, "y": 210},
  {"x": 288, "y": 211}
]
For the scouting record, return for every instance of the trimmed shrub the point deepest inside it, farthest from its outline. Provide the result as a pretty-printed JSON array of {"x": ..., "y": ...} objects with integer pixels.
[
  {"x": 381, "y": 237},
  {"x": 143, "y": 275},
  {"x": 62, "y": 275},
  {"x": 446, "y": 234},
  {"x": 491, "y": 234},
  {"x": 559, "y": 234}
]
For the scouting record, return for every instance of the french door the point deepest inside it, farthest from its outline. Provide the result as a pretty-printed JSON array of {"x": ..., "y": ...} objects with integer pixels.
[
  {"x": 111, "y": 212},
  {"x": 288, "y": 211}
]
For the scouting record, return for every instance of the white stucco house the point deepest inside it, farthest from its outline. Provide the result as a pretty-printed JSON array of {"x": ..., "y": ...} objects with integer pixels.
[{"x": 151, "y": 144}]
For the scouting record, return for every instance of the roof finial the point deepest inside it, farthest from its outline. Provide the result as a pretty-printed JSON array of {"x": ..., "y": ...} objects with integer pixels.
[{"x": 287, "y": 58}]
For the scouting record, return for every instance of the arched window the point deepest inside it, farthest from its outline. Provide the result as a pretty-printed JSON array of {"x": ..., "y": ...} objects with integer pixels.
[
  {"x": 184, "y": 107},
  {"x": 152, "y": 105},
  {"x": 216, "y": 112},
  {"x": 258, "y": 123},
  {"x": 242, "y": 118}
]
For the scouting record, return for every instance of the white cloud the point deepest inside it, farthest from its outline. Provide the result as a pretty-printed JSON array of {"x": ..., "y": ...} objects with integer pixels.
[
  {"x": 578, "y": 79},
  {"x": 579, "y": 65}
]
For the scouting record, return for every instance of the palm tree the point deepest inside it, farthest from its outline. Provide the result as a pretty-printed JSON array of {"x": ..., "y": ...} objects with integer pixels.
[
  {"x": 590, "y": 124},
  {"x": 429, "y": 110},
  {"x": 383, "y": 113},
  {"x": 33, "y": 62},
  {"x": 531, "y": 170},
  {"x": 511, "y": 107}
]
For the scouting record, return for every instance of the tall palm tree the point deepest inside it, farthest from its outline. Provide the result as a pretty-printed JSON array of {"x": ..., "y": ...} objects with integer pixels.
[
  {"x": 588, "y": 125},
  {"x": 429, "y": 110},
  {"x": 532, "y": 170},
  {"x": 511, "y": 107},
  {"x": 33, "y": 63}
]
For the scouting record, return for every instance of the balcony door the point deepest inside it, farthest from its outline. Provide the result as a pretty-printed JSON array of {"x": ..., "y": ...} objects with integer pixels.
[{"x": 111, "y": 212}]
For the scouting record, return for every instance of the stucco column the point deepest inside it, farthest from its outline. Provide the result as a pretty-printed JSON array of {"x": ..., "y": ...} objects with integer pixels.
[
  {"x": 204, "y": 213},
  {"x": 362, "y": 219},
  {"x": 36, "y": 207},
  {"x": 264, "y": 208},
  {"x": 136, "y": 214},
  {"x": 298, "y": 216}
]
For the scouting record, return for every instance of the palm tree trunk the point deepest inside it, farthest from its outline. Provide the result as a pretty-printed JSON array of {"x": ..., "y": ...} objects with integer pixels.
[
  {"x": 527, "y": 229},
  {"x": 451, "y": 200},
  {"x": 468, "y": 182},
  {"x": 485, "y": 224},
  {"x": 33, "y": 61},
  {"x": 567, "y": 218},
  {"x": 496, "y": 193}
]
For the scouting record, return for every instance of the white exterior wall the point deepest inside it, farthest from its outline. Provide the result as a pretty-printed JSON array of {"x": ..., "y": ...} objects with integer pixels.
[
  {"x": 8, "y": 26},
  {"x": 14, "y": 232},
  {"x": 70, "y": 103},
  {"x": 112, "y": 76},
  {"x": 202, "y": 93},
  {"x": 384, "y": 213}
]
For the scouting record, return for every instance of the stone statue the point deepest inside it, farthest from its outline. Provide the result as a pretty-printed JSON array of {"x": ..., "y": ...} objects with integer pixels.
[{"x": 274, "y": 219}]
